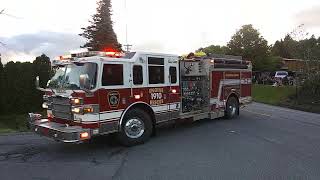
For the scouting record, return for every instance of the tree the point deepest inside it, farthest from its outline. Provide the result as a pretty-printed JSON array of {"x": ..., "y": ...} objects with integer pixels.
[
  {"x": 248, "y": 43},
  {"x": 1, "y": 86},
  {"x": 286, "y": 48},
  {"x": 20, "y": 94},
  {"x": 269, "y": 63},
  {"x": 308, "y": 49},
  {"x": 214, "y": 49},
  {"x": 100, "y": 33},
  {"x": 42, "y": 68}
]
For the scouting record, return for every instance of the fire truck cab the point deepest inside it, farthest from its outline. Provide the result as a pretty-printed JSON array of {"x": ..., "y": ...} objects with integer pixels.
[{"x": 129, "y": 94}]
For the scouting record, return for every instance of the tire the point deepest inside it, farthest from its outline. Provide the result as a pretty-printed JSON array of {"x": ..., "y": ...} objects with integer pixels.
[
  {"x": 232, "y": 108},
  {"x": 136, "y": 128}
]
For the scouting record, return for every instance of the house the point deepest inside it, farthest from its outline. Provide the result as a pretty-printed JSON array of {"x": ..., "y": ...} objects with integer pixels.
[{"x": 300, "y": 65}]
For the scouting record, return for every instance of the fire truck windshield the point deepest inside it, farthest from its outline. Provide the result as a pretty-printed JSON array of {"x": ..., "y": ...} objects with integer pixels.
[{"x": 68, "y": 76}]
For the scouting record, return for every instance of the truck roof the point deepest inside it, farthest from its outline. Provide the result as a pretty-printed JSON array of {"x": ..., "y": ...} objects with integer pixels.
[{"x": 127, "y": 57}]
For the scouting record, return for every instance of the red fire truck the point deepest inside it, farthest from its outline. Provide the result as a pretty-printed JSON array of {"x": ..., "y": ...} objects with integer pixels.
[{"x": 96, "y": 93}]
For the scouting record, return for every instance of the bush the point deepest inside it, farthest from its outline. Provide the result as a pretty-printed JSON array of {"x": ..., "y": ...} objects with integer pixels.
[
  {"x": 18, "y": 92},
  {"x": 310, "y": 90}
]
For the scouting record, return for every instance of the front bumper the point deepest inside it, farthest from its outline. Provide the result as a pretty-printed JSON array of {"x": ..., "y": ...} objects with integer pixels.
[{"x": 57, "y": 131}]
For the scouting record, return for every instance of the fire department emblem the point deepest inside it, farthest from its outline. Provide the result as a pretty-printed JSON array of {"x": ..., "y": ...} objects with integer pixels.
[{"x": 113, "y": 99}]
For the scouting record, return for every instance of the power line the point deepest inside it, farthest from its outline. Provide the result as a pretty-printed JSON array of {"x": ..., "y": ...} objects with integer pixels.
[{"x": 2, "y": 12}]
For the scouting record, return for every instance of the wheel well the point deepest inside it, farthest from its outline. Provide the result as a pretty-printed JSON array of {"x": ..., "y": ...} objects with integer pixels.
[
  {"x": 144, "y": 107},
  {"x": 233, "y": 95}
]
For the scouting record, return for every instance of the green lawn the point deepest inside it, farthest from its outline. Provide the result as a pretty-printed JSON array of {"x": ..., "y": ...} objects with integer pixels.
[
  {"x": 272, "y": 95},
  {"x": 13, "y": 123}
]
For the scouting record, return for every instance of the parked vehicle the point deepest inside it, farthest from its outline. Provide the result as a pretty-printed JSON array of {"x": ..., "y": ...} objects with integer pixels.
[{"x": 281, "y": 74}]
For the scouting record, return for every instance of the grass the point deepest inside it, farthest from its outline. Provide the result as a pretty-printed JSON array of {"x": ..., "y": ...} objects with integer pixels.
[
  {"x": 282, "y": 96},
  {"x": 272, "y": 95},
  {"x": 13, "y": 123}
]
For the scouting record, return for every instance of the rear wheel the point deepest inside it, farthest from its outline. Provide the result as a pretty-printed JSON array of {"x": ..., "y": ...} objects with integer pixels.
[
  {"x": 136, "y": 128},
  {"x": 232, "y": 108}
]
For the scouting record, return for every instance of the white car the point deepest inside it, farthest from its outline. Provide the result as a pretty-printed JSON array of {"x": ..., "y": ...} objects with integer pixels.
[{"x": 281, "y": 74}]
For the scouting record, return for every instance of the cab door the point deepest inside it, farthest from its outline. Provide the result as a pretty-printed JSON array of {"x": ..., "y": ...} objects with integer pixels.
[
  {"x": 174, "y": 88},
  {"x": 158, "y": 86}
]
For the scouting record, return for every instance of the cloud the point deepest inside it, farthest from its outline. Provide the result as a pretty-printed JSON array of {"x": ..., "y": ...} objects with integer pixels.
[
  {"x": 26, "y": 47},
  {"x": 309, "y": 17},
  {"x": 153, "y": 46}
]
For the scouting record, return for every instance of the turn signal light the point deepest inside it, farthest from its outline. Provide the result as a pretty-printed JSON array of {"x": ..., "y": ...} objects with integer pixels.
[
  {"x": 137, "y": 96},
  {"x": 82, "y": 110},
  {"x": 87, "y": 110},
  {"x": 84, "y": 135}
]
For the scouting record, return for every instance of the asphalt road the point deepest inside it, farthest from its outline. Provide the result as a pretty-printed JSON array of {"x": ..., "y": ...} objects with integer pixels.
[{"x": 265, "y": 142}]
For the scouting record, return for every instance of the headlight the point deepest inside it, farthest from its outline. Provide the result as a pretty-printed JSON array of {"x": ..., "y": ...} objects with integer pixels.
[
  {"x": 45, "y": 105},
  {"x": 76, "y": 101},
  {"x": 77, "y": 110}
]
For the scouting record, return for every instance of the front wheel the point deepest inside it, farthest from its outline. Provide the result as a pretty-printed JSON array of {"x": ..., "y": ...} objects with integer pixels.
[
  {"x": 136, "y": 128},
  {"x": 232, "y": 108}
]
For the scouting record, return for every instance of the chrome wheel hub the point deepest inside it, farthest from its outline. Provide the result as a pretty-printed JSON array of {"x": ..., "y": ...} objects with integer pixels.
[
  {"x": 134, "y": 128},
  {"x": 233, "y": 109}
]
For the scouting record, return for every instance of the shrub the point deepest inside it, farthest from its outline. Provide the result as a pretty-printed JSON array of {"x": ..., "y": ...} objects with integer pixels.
[{"x": 310, "y": 90}]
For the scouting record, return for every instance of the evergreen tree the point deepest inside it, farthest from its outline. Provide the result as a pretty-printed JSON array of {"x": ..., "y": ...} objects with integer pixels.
[{"x": 100, "y": 33}]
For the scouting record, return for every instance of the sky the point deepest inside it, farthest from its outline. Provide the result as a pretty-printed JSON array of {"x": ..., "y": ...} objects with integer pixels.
[{"x": 167, "y": 26}]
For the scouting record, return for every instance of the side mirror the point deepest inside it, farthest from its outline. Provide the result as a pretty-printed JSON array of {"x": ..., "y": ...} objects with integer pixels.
[
  {"x": 84, "y": 82},
  {"x": 38, "y": 84}
]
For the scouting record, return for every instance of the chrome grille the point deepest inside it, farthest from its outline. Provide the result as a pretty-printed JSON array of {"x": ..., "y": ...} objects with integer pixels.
[
  {"x": 61, "y": 100},
  {"x": 61, "y": 108}
]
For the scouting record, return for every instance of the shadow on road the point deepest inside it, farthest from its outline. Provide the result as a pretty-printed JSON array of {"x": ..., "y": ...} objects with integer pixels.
[{"x": 99, "y": 149}]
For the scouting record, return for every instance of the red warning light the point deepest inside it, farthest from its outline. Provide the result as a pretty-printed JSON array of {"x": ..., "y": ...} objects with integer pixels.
[{"x": 112, "y": 52}]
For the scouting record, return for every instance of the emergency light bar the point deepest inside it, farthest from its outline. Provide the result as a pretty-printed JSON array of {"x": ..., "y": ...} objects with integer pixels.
[{"x": 90, "y": 54}]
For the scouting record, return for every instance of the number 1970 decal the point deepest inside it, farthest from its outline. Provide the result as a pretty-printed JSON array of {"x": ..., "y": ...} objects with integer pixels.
[{"x": 156, "y": 96}]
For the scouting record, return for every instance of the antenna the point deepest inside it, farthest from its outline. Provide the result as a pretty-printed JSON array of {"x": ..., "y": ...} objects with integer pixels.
[{"x": 128, "y": 46}]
